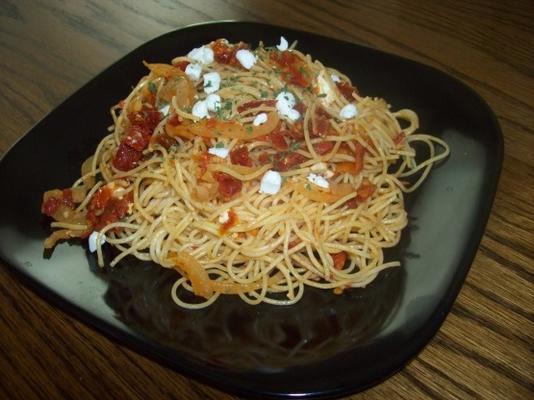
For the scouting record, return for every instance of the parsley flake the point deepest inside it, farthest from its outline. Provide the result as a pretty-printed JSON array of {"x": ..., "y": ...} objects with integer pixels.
[{"x": 152, "y": 87}]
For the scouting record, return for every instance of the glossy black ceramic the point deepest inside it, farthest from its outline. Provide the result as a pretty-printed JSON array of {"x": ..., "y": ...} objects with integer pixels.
[{"x": 324, "y": 346}]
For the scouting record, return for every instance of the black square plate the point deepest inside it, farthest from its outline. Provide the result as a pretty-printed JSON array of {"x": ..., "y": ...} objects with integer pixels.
[{"x": 326, "y": 345}]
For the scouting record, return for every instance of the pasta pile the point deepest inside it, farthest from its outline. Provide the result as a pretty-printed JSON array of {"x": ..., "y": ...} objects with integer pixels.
[{"x": 251, "y": 172}]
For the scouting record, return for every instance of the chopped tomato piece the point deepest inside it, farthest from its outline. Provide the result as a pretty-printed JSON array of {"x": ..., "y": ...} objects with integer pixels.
[
  {"x": 346, "y": 90},
  {"x": 278, "y": 140},
  {"x": 137, "y": 139},
  {"x": 126, "y": 158},
  {"x": 104, "y": 208},
  {"x": 284, "y": 162},
  {"x": 224, "y": 53},
  {"x": 255, "y": 103},
  {"x": 228, "y": 185},
  {"x": 264, "y": 158},
  {"x": 323, "y": 147},
  {"x": 174, "y": 120},
  {"x": 50, "y": 206},
  {"x": 292, "y": 67},
  {"x": 240, "y": 156},
  {"x": 339, "y": 259}
]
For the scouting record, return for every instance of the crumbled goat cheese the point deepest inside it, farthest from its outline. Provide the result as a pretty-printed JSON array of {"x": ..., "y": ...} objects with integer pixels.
[
  {"x": 260, "y": 119},
  {"x": 271, "y": 182},
  {"x": 193, "y": 71},
  {"x": 318, "y": 180},
  {"x": 285, "y": 101},
  {"x": 349, "y": 111},
  {"x": 212, "y": 82},
  {"x": 94, "y": 242},
  {"x": 203, "y": 55},
  {"x": 246, "y": 58},
  {"x": 283, "y": 44},
  {"x": 213, "y": 102},
  {"x": 200, "y": 109},
  {"x": 221, "y": 152}
]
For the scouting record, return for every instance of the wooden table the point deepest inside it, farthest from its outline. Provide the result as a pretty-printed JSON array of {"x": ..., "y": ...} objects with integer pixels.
[{"x": 48, "y": 48}]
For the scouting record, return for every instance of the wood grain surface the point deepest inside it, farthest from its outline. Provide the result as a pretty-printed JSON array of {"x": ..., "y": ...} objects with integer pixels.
[{"x": 49, "y": 48}]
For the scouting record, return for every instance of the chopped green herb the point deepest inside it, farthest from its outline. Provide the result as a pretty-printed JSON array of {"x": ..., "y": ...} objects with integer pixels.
[
  {"x": 152, "y": 87},
  {"x": 228, "y": 105},
  {"x": 294, "y": 146},
  {"x": 219, "y": 145},
  {"x": 264, "y": 94},
  {"x": 250, "y": 129},
  {"x": 207, "y": 84},
  {"x": 321, "y": 95}
]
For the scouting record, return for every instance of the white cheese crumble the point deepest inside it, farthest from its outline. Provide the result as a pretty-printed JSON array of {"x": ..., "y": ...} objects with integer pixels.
[
  {"x": 165, "y": 109},
  {"x": 212, "y": 82},
  {"x": 325, "y": 89},
  {"x": 318, "y": 180},
  {"x": 246, "y": 58},
  {"x": 349, "y": 111},
  {"x": 93, "y": 238},
  {"x": 221, "y": 152},
  {"x": 285, "y": 101},
  {"x": 271, "y": 182},
  {"x": 203, "y": 55},
  {"x": 335, "y": 78},
  {"x": 224, "y": 217},
  {"x": 283, "y": 44},
  {"x": 213, "y": 102},
  {"x": 200, "y": 109},
  {"x": 193, "y": 71},
  {"x": 260, "y": 119}
]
